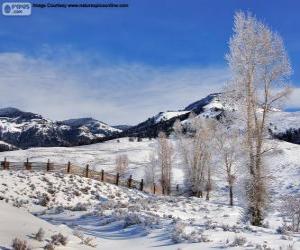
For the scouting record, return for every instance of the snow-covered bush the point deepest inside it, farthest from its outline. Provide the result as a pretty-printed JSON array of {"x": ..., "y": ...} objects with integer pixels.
[
  {"x": 43, "y": 200},
  {"x": 88, "y": 241},
  {"x": 19, "y": 203},
  {"x": 132, "y": 219},
  {"x": 80, "y": 207},
  {"x": 184, "y": 233},
  {"x": 19, "y": 244},
  {"x": 59, "y": 239},
  {"x": 40, "y": 235},
  {"x": 238, "y": 241}
]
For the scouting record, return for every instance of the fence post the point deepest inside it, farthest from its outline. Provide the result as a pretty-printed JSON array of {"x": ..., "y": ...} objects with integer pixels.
[
  {"x": 129, "y": 181},
  {"x": 69, "y": 167},
  {"x": 102, "y": 175},
  {"x": 87, "y": 171},
  {"x": 154, "y": 188},
  {"x": 142, "y": 185},
  {"x": 48, "y": 165},
  {"x": 4, "y": 163},
  {"x": 117, "y": 179},
  {"x": 27, "y": 164}
]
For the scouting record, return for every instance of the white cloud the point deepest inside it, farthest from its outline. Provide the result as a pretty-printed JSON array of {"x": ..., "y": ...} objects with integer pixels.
[
  {"x": 119, "y": 93},
  {"x": 294, "y": 99}
]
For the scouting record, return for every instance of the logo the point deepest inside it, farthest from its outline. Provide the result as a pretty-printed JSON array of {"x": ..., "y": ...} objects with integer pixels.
[
  {"x": 16, "y": 9},
  {"x": 7, "y": 9}
]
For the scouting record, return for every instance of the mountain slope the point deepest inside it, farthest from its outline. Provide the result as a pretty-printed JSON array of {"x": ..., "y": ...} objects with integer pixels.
[
  {"x": 26, "y": 129},
  {"x": 209, "y": 106},
  {"x": 140, "y": 220},
  {"x": 282, "y": 125}
]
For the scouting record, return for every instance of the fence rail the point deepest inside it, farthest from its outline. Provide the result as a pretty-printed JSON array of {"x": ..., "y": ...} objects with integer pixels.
[{"x": 69, "y": 168}]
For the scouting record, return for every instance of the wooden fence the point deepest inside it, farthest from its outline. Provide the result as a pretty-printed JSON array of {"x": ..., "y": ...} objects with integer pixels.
[{"x": 86, "y": 171}]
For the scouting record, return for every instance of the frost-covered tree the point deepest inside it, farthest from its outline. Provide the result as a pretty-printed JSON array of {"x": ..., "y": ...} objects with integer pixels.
[
  {"x": 196, "y": 151},
  {"x": 165, "y": 162},
  {"x": 290, "y": 209},
  {"x": 227, "y": 145},
  {"x": 121, "y": 164},
  {"x": 151, "y": 170},
  {"x": 260, "y": 69}
]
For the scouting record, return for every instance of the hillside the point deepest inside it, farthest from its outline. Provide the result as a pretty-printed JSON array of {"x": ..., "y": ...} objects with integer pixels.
[
  {"x": 282, "y": 125},
  {"x": 114, "y": 215}
]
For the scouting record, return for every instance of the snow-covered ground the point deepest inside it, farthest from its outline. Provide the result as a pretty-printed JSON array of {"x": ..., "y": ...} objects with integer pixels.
[
  {"x": 98, "y": 156},
  {"x": 282, "y": 121},
  {"x": 116, "y": 217},
  {"x": 119, "y": 217},
  {"x": 18, "y": 223}
]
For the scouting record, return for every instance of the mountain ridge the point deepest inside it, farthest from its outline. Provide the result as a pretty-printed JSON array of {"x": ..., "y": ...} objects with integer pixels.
[{"x": 21, "y": 129}]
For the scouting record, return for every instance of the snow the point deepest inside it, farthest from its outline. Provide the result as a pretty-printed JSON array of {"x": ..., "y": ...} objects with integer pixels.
[
  {"x": 21, "y": 224},
  {"x": 98, "y": 156},
  {"x": 6, "y": 126},
  {"x": 164, "y": 116},
  {"x": 117, "y": 216},
  {"x": 282, "y": 121}
]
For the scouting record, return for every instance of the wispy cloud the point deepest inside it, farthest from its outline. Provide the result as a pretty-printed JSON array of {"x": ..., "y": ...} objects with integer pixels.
[
  {"x": 293, "y": 101},
  {"x": 115, "y": 93}
]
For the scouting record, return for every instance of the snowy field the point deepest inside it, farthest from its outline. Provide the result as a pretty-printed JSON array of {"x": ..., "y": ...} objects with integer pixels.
[
  {"x": 98, "y": 156},
  {"x": 114, "y": 217}
]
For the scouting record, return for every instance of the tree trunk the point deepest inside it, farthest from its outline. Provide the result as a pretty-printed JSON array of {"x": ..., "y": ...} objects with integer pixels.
[
  {"x": 231, "y": 195},
  {"x": 207, "y": 195}
]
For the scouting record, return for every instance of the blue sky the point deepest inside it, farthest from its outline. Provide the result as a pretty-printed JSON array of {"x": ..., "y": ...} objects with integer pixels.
[{"x": 123, "y": 65}]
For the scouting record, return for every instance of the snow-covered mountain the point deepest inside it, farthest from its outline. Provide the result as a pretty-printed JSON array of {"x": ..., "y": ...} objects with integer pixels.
[
  {"x": 92, "y": 127},
  {"x": 19, "y": 129},
  {"x": 283, "y": 125},
  {"x": 210, "y": 106},
  {"x": 25, "y": 129}
]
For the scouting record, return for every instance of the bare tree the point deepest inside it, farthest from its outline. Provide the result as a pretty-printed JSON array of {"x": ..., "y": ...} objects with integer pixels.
[
  {"x": 260, "y": 69},
  {"x": 227, "y": 144},
  {"x": 195, "y": 148},
  {"x": 291, "y": 211},
  {"x": 165, "y": 158},
  {"x": 121, "y": 164},
  {"x": 151, "y": 169}
]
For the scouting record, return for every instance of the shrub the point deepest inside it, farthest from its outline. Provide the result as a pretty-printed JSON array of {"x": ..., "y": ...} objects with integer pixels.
[
  {"x": 49, "y": 246},
  {"x": 180, "y": 234},
  {"x": 131, "y": 219},
  {"x": 88, "y": 241},
  {"x": 80, "y": 207},
  {"x": 19, "y": 244},
  {"x": 59, "y": 239},
  {"x": 40, "y": 235},
  {"x": 43, "y": 200},
  {"x": 238, "y": 241}
]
